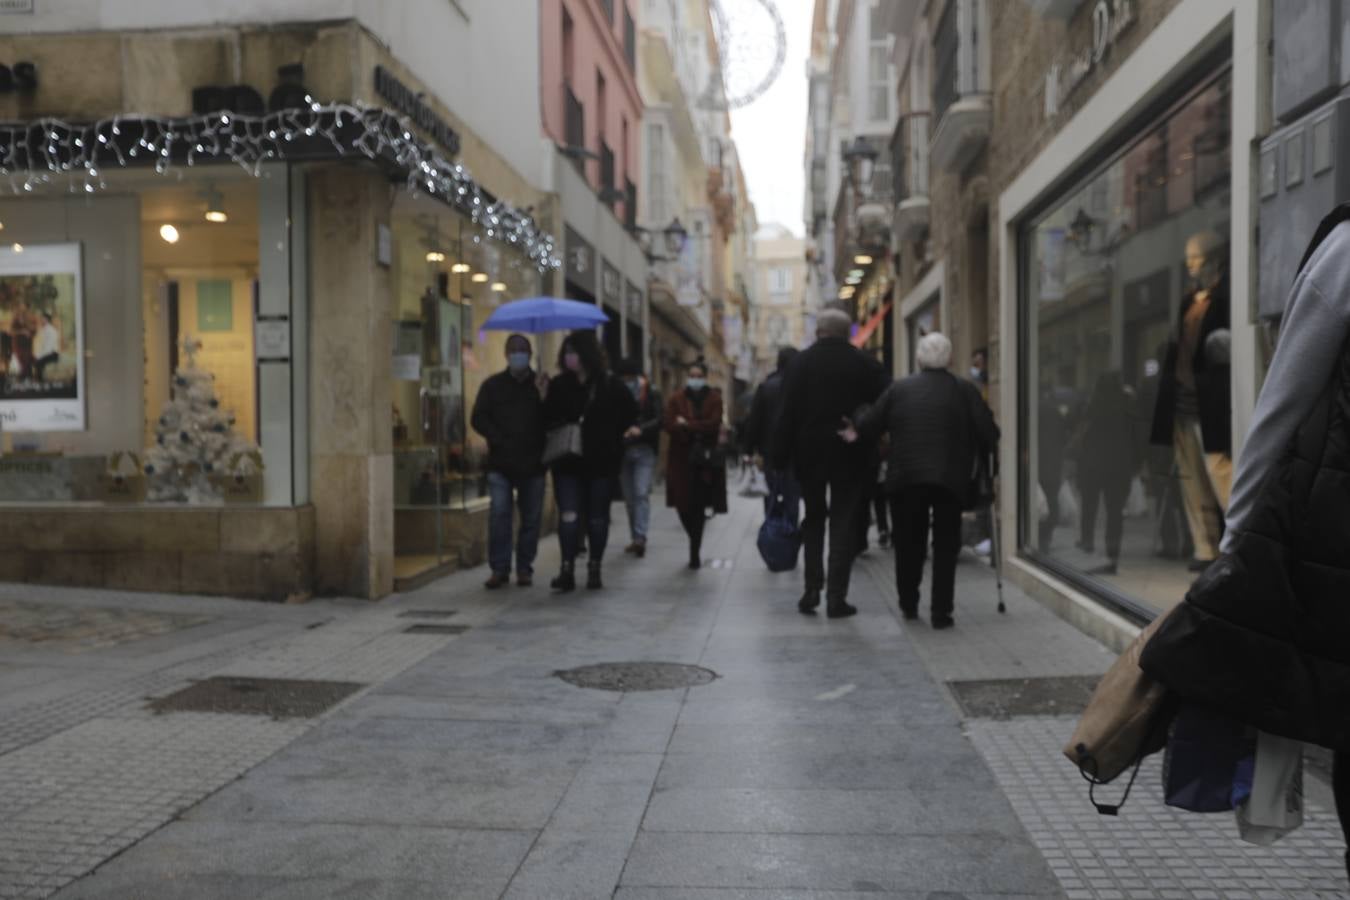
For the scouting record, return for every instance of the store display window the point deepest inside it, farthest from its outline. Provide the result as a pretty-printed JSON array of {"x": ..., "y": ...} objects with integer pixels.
[
  {"x": 126, "y": 342},
  {"x": 1127, "y": 460},
  {"x": 448, "y": 276}
]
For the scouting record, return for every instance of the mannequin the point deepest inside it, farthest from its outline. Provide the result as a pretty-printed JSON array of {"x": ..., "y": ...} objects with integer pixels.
[{"x": 1193, "y": 413}]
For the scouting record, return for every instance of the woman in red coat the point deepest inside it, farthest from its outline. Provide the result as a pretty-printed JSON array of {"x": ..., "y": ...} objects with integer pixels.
[{"x": 696, "y": 478}]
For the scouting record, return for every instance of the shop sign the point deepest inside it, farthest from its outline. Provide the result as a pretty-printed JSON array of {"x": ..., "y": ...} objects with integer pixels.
[
  {"x": 1110, "y": 20},
  {"x": 16, "y": 6},
  {"x": 580, "y": 261},
  {"x": 633, "y": 303},
  {"x": 611, "y": 285},
  {"x": 409, "y": 102}
]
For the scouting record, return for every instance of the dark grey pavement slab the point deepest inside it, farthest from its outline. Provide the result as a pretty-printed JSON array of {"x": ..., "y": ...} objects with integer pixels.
[{"x": 823, "y": 763}]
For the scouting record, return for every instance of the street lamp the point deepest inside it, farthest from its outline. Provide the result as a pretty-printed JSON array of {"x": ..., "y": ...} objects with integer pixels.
[
  {"x": 860, "y": 159},
  {"x": 674, "y": 237}
]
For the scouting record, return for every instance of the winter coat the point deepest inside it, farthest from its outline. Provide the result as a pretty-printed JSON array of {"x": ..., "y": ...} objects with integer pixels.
[
  {"x": 1264, "y": 634},
  {"x": 1107, "y": 444},
  {"x": 650, "y": 413},
  {"x": 509, "y": 413},
  {"x": 702, "y": 411},
  {"x": 608, "y": 409},
  {"x": 763, "y": 419},
  {"x": 1212, "y": 382},
  {"x": 827, "y": 383},
  {"x": 938, "y": 424}
]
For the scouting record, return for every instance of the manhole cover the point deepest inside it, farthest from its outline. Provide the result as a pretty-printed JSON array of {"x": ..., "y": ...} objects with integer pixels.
[
  {"x": 427, "y": 614},
  {"x": 1011, "y": 697},
  {"x": 280, "y": 698},
  {"x": 436, "y": 629},
  {"x": 637, "y": 676}
]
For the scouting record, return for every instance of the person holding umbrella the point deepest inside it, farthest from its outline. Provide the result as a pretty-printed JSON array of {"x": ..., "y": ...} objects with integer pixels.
[{"x": 584, "y": 399}]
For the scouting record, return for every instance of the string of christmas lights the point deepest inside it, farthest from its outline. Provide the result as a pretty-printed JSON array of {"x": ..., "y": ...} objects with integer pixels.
[{"x": 40, "y": 154}]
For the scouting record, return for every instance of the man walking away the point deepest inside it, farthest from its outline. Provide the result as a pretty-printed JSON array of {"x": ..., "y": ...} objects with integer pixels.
[
  {"x": 823, "y": 388},
  {"x": 759, "y": 437},
  {"x": 642, "y": 443},
  {"x": 509, "y": 413},
  {"x": 938, "y": 425}
]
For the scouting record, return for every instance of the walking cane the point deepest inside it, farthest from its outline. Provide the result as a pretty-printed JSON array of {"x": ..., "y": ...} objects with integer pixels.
[{"x": 994, "y": 538}]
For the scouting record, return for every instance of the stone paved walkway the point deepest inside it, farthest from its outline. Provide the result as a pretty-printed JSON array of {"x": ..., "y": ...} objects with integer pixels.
[{"x": 829, "y": 760}]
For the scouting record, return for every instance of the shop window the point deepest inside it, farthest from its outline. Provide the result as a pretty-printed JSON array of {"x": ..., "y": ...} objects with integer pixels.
[
  {"x": 1126, "y": 386},
  {"x": 127, "y": 325}
]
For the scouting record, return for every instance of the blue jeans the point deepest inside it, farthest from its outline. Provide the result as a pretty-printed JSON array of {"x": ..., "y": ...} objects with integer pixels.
[
  {"x": 578, "y": 496},
  {"x": 785, "y": 483},
  {"x": 639, "y": 462},
  {"x": 529, "y": 497}
]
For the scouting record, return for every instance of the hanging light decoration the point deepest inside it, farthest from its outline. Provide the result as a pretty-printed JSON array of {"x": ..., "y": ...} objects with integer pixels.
[
  {"x": 49, "y": 153},
  {"x": 169, "y": 233}
]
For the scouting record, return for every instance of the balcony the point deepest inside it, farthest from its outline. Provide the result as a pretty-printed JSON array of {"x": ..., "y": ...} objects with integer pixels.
[
  {"x": 961, "y": 93},
  {"x": 909, "y": 164}
]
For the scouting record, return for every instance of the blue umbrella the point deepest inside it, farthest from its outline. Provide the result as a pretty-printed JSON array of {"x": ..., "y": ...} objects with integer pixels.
[{"x": 538, "y": 314}]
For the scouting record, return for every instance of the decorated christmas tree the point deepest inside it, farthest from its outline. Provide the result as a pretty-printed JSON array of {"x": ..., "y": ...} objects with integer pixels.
[{"x": 195, "y": 444}]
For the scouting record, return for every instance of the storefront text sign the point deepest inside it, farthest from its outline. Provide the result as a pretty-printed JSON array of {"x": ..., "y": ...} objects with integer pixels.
[
  {"x": 1110, "y": 20},
  {"x": 409, "y": 102},
  {"x": 16, "y": 6}
]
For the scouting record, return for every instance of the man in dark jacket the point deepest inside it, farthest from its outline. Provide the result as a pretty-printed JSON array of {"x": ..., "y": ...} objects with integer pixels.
[
  {"x": 823, "y": 387},
  {"x": 939, "y": 425},
  {"x": 642, "y": 444},
  {"x": 759, "y": 435},
  {"x": 509, "y": 413}
]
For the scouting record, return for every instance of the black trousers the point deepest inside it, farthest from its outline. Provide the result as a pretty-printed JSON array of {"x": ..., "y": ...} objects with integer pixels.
[
  {"x": 1115, "y": 490},
  {"x": 911, "y": 510},
  {"x": 837, "y": 499},
  {"x": 693, "y": 521},
  {"x": 881, "y": 505}
]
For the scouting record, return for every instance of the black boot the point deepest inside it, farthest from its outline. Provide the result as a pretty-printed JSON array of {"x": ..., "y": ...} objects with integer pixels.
[
  {"x": 839, "y": 609},
  {"x": 593, "y": 581},
  {"x": 566, "y": 580},
  {"x": 810, "y": 600}
]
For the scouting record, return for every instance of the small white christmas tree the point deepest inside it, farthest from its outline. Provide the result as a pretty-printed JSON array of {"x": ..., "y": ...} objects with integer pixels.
[{"x": 195, "y": 444}]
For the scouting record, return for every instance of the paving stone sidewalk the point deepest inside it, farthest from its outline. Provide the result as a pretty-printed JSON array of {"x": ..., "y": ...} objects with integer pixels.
[
  {"x": 1150, "y": 850},
  {"x": 821, "y": 764}
]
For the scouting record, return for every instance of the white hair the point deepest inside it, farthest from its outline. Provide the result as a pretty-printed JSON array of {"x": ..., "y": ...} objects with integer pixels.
[
  {"x": 934, "y": 351},
  {"x": 834, "y": 323}
]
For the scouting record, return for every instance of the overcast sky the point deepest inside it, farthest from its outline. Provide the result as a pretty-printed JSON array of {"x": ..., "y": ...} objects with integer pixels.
[{"x": 770, "y": 133}]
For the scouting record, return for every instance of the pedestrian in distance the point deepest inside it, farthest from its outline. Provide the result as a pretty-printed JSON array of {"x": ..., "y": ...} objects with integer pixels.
[
  {"x": 587, "y": 394},
  {"x": 824, "y": 386},
  {"x": 1106, "y": 447},
  {"x": 509, "y": 413},
  {"x": 760, "y": 430},
  {"x": 642, "y": 444},
  {"x": 939, "y": 426},
  {"x": 696, "y": 477},
  {"x": 1263, "y": 636}
]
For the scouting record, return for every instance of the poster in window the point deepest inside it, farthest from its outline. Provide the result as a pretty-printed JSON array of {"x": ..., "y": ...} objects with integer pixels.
[
  {"x": 41, "y": 338},
  {"x": 215, "y": 305}
]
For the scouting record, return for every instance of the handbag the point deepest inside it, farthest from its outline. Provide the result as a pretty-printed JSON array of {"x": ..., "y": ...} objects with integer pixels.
[
  {"x": 1275, "y": 807},
  {"x": 780, "y": 540},
  {"x": 1125, "y": 720},
  {"x": 564, "y": 442}
]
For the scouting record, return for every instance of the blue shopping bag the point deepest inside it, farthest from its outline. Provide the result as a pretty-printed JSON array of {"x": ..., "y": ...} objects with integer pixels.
[
  {"x": 1210, "y": 761},
  {"x": 780, "y": 540}
]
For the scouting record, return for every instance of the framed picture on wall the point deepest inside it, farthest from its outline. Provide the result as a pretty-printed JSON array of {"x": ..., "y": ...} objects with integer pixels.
[
  {"x": 215, "y": 305},
  {"x": 42, "y": 338}
]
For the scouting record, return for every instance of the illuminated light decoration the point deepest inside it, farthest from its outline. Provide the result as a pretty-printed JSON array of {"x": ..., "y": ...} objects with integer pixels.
[
  {"x": 479, "y": 278},
  {"x": 17, "y": 248},
  {"x": 461, "y": 268},
  {"x": 168, "y": 233},
  {"x": 856, "y": 273},
  {"x": 499, "y": 286},
  {"x": 217, "y": 215},
  {"x": 51, "y": 153},
  {"x": 435, "y": 256},
  {"x": 862, "y": 259}
]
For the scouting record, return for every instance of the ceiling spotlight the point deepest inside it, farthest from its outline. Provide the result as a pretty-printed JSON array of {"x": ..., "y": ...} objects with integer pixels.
[
  {"x": 499, "y": 286},
  {"x": 168, "y": 233},
  {"x": 435, "y": 256},
  {"x": 845, "y": 292},
  {"x": 460, "y": 268},
  {"x": 852, "y": 279},
  {"x": 856, "y": 273},
  {"x": 479, "y": 278},
  {"x": 862, "y": 259},
  {"x": 215, "y": 206},
  {"x": 17, "y": 248}
]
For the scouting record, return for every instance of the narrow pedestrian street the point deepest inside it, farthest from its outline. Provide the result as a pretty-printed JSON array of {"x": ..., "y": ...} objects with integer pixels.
[{"x": 826, "y": 759}]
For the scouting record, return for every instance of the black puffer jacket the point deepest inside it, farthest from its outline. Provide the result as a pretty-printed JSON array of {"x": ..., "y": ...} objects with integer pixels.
[
  {"x": 938, "y": 424},
  {"x": 1264, "y": 634}
]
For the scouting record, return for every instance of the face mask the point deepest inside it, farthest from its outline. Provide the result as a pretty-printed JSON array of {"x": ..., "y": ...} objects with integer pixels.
[
  {"x": 518, "y": 362},
  {"x": 697, "y": 384},
  {"x": 634, "y": 387},
  {"x": 572, "y": 362},
  {"x": 975, "y": 372}
]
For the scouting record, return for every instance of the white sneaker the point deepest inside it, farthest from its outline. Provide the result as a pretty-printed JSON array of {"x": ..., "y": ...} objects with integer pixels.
[{"x": 984, "y": 547}]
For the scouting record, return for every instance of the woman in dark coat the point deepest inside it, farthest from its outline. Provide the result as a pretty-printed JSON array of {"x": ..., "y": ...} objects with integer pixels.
[
  {"x": 696, "y": 477},
  {"x": 587, "y": 393}
]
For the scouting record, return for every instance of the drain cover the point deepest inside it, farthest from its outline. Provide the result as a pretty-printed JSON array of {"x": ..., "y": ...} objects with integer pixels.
[
  {"x": 637, "y": 676},
  {"x": 427, "y": 614},
  {"x": 1011, "y": 697},
  {"x": 280, "y": 698},
  {"x": 436, "y": 629}
]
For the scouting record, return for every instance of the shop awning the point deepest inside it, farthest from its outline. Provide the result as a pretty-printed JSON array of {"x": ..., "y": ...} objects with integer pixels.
[{"x": 871, "y": 325}]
